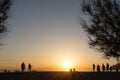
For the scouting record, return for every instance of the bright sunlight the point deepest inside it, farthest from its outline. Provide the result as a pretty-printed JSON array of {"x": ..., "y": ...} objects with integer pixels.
[{"x": 67, "y": 65}]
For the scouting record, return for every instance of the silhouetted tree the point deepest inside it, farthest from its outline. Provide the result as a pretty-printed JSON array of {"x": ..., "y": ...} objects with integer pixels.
[
  {"x": 23, "y": 66},
  {"x": 4, "y": 14},
  {"x": 29, "y": 67},
  {"x": 103, "y": 26}
]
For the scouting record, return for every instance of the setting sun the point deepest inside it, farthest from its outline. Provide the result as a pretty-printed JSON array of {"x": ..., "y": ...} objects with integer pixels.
[{"x": 67, "y": 64}]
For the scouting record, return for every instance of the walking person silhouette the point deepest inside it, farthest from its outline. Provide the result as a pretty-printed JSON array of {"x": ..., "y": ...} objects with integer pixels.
[
  {"x": 107, "y": 67},
  {"x": 29, "y": 67},
  {"x": 93, "y": 67},
  {"x": 23, "y": 66},
  {"x": 98, "y": 68},
  {"x": 103, "y": 67}
]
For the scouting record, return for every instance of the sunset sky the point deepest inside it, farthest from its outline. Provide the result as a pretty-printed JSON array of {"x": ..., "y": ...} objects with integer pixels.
[{"x": 47, "y": 33}]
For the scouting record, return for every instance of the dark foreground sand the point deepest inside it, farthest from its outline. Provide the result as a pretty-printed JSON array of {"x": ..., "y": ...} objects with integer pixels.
[{"x": 61, "y": 76}]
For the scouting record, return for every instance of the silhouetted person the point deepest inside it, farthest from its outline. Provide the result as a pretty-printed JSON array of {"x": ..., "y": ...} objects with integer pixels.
[
  {"x": 110, "y": 68},
  {"x": 117, "y": 70},
  {"x": 98, "y": 68},
  {"x": 73, "y": 69},
  {"x": 107, "y": 67},
  {"x": 5, "y": 71},
  {"x": 23, "y": 66},
  {"x": 103, "y": 67},
  {"x": 70, "y": 70},
  {"x": 29, "y": 67},
  {"x": 93, "y": 67}
]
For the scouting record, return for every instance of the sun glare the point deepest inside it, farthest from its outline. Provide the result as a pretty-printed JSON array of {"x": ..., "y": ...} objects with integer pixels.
[{"x": 67, "y": 65}]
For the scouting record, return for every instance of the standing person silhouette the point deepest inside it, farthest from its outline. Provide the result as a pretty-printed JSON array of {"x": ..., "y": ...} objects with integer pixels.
[
  {"x": 103, "y": 67},
  {"x": 110, "y": 68},
  {"x": 98, "y": 68},
  {"x": 93, "y": 67},
  {"x": 29, "y": 67},
  {"x": 107, "y": 67},
  {"x": 23, "y": 66}
]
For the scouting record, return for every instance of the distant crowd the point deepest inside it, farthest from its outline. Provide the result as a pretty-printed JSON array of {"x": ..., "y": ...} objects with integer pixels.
[{"x": 103, "y": 68}]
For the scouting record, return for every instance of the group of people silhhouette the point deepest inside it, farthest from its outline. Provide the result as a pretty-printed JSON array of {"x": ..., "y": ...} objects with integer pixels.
[
  {"x": 23, "y": 67},
  {"x": 72, "y": 70},
  {"x": 104, "y": 68}
]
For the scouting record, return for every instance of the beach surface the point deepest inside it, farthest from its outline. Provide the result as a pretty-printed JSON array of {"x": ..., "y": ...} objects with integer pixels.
[{"x": 60, "y": 76}]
